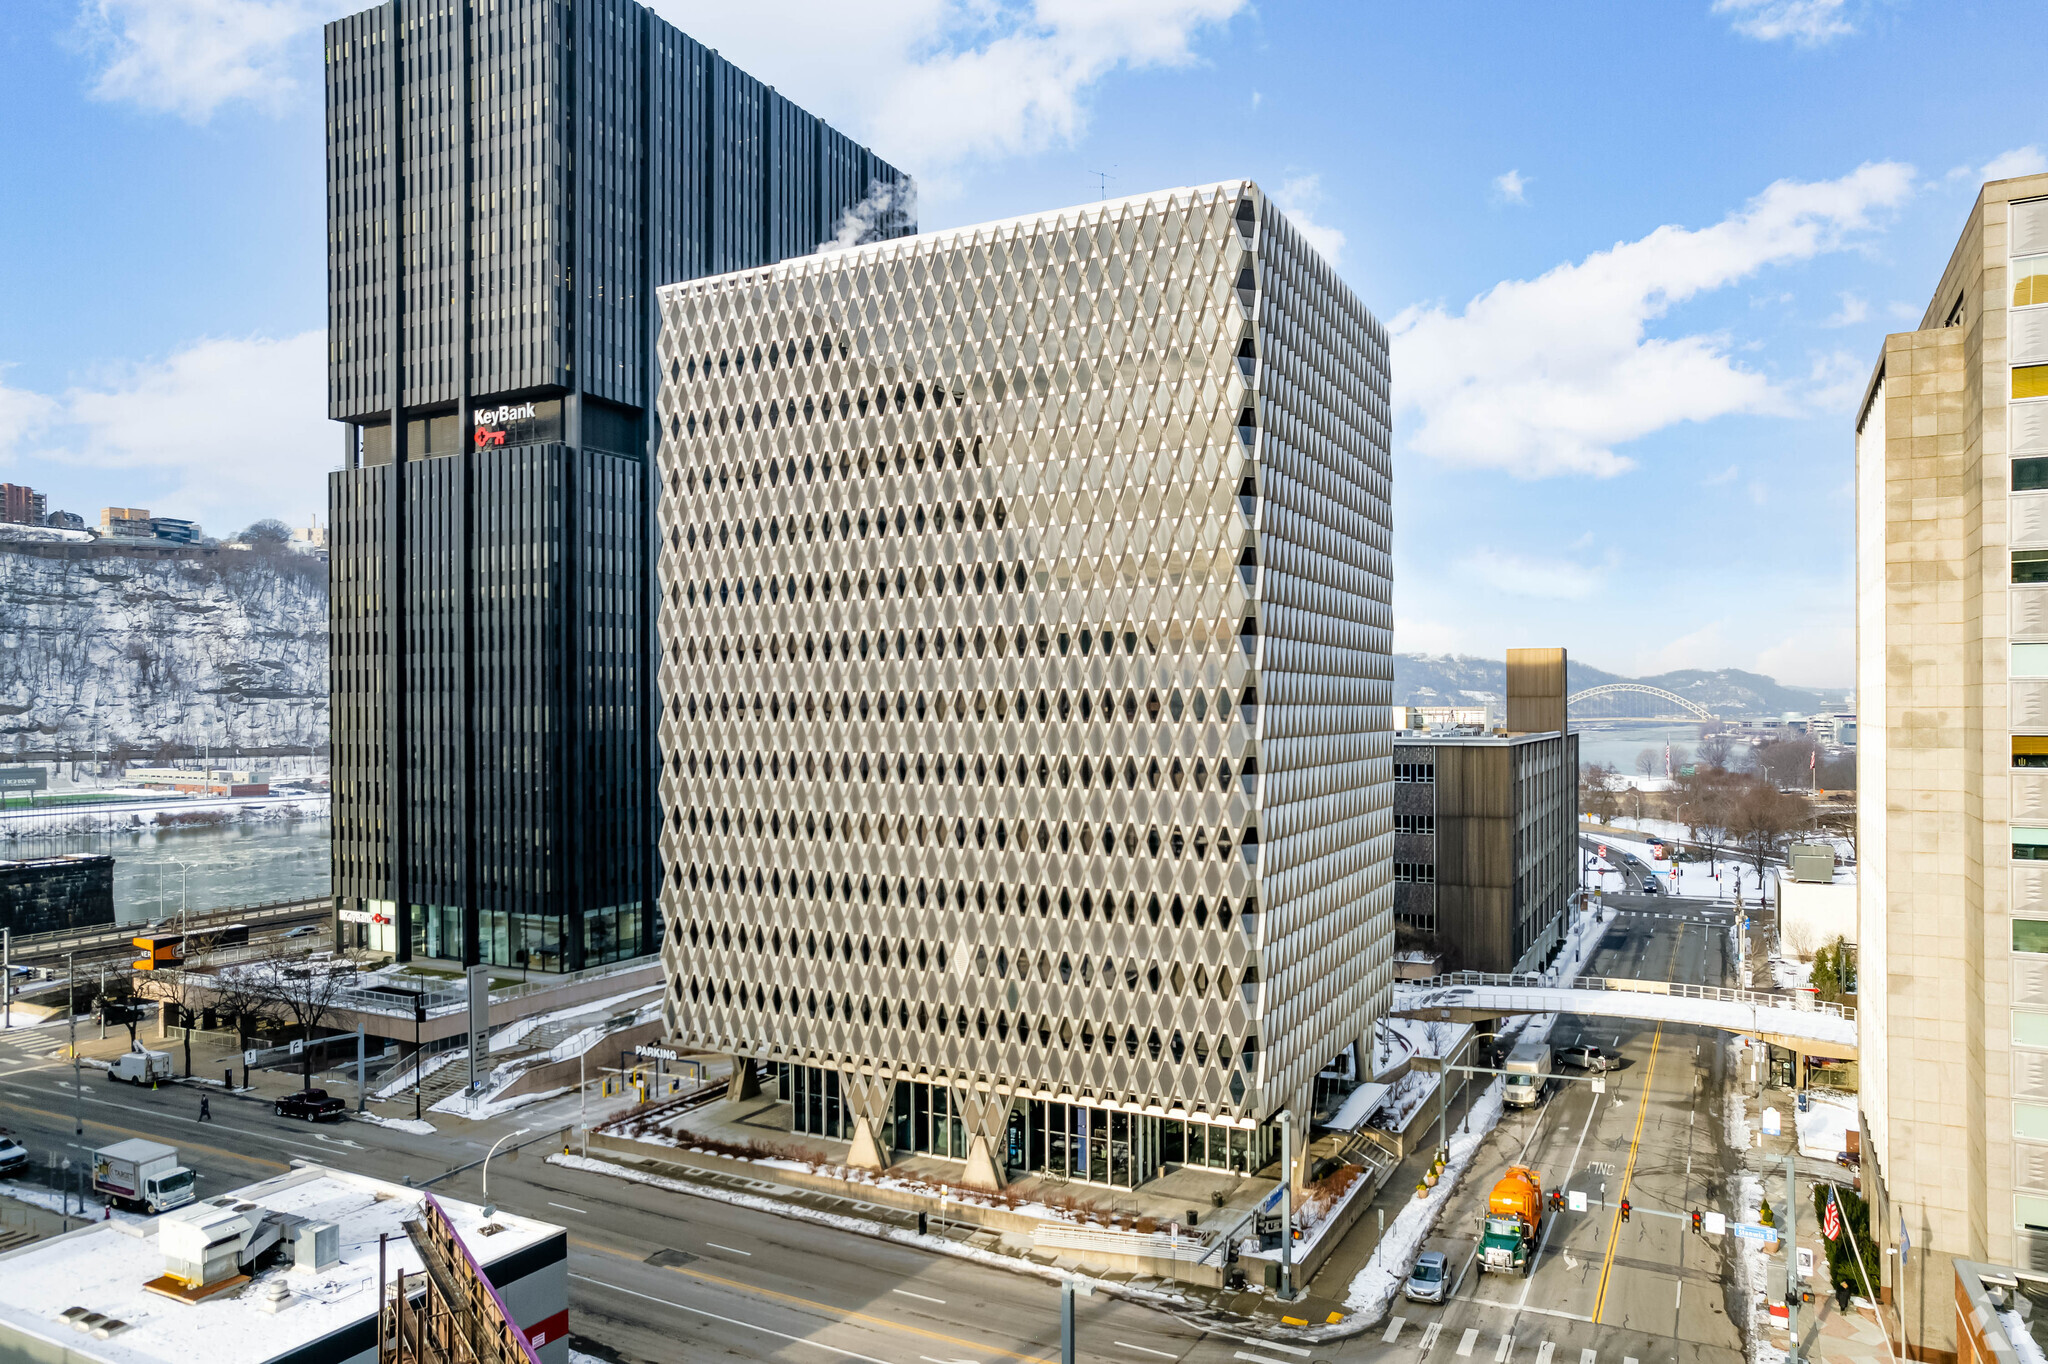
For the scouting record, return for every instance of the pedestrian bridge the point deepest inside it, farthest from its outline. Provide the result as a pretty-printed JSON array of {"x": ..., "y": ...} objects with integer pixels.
[{"x": 1800, "y": 1022}]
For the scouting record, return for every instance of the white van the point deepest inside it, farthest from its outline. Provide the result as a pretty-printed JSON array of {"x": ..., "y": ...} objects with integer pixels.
[
  {"x": 1529, "y": 1067},
  {"x": 141, "y": 1067}
]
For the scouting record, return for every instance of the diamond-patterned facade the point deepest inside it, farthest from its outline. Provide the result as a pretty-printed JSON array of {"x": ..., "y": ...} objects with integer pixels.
[{"x": 1025, "y": 670}]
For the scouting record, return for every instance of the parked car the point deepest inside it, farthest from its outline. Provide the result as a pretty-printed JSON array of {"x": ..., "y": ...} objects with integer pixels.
[
  {"x": 13, "y": 1156},
  {"x": 314, "y": 1105},
  {"x": 1586, "y": 1058},
  {"x": 1426, "y": 1280}
]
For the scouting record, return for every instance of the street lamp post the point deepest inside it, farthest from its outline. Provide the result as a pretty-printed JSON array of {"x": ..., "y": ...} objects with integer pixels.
[
  {"x": 487, "y": 1164},
  {"x": 71, "y": 1017}
]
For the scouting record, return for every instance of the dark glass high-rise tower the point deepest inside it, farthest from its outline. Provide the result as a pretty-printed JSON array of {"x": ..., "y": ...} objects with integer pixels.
[{"x": 507, "y": 183}]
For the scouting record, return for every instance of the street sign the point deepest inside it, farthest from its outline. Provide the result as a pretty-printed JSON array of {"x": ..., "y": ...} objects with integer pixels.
[
  {"x": 1601, "y": 848},
  {"x": 1806, "y": 1262},
  {"x": 1754, "y": 1231},
  {"x": 24, "y": 778},
  {"x": 1575, "y": 1199},
  {"x": 479, "y": 983},
  {"x": 248, "y": 1058},
  {"x": 298, "y": 1045},
  {"x": 1599, "y": 1086},
  {"x": 1717, "y": 1224},
  {"x": 655, "y": 1053}
]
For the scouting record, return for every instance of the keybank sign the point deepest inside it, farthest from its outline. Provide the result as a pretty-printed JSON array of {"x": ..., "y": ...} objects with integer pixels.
[{"x": 499, "y": 416}]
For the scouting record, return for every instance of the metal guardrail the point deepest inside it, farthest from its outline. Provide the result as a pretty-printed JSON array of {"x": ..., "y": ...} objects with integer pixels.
[
  {"x": 1158, "y": 1245},
  {"x": 63, "y": 940},
  {"x": 1801, "y": 1001}
]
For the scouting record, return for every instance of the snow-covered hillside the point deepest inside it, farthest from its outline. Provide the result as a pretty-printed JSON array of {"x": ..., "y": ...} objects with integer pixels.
[{"x": 137, "y": 656}]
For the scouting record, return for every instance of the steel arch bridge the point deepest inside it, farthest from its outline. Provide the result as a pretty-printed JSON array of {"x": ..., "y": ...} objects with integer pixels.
[{"x": 1620, "y": 688}]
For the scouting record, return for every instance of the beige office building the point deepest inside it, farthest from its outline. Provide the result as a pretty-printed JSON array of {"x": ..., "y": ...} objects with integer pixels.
[
  {"x": 1025, "y": 678},
  {"x": 1952, "y": 695}
]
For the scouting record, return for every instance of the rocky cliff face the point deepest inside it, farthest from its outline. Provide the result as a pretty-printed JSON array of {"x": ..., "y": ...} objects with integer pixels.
[{"x": 137, "y": 656}]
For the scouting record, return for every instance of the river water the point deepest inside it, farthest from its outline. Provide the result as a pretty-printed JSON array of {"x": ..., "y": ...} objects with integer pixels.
[
  {"x": 209, "y": 867},
  {"x": 1618, "y": 743}
]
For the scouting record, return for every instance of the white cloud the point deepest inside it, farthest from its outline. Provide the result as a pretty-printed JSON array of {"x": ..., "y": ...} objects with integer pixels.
[
  {"x": 2018, "y": 161},
  {"x": 1512, "y": 186},
  {"x": 189, "y": 57},
  {"x": 1298, "y": 199},
  {"x": 1809, "y": 23},
  {"x": 1727, "y": 475},
  {"x": 932, "y": 83},
  {"x": 1852, "y": 311},
  {"x": 1836, "y": 381},
  {"x": 1546, "y": 376},
  {"x": 927, "y": 83},
  {"x": 224, "y": 430},
  {"x": 1524, "y": 575}
]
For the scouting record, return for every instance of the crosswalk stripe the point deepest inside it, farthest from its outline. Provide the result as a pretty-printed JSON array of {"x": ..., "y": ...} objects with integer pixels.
[
  {"x": 1587, "y": 1357},
  {"x": 1544, "y": 1351},
  {"x": 1393, "y": 1329},
  {"x": 1507, "y": 1347},
  {"x": 1429, "y": 1335},
  {"x": 1465, "y": 1341}
]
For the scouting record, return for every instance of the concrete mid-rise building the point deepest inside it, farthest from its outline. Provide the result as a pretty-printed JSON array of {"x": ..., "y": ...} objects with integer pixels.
[
  {"x": 1025, "y": 669},
  {"x": 1952, "y": 731},
  {"x": 1486, "y": 830},
  {"x": 507, "y": 185}
]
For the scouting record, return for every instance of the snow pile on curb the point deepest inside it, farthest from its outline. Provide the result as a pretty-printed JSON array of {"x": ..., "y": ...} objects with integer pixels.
[
  {"x": 486, "y": 1105},
  {"x": 417, "y": 1126},
  {"x": 1374, "y": 1287},
  {"x": 52, "y": 1200}
]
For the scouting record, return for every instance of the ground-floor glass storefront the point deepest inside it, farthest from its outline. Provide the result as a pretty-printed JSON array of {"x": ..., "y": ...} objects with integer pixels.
[{"x": 1070, "y": 1141}]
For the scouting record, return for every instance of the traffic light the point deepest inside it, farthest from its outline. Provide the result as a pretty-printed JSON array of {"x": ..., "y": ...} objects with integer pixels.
[
  {"x": 1624, "y": 1210},
  {"x": 1696, "y": 1221}
]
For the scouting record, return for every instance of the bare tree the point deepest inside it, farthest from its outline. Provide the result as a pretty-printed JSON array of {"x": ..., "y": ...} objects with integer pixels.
[
  {"x": 187, "y": 987},
  {"x": 243, "y": 1000},
  {"x": 1597, "y": 793},
  {"x": 1714, "y": 750},
  {"x": 1762, "y": 816},
  {"x": 1646, "y": 762},
  {"x": 305, "y": 992},
  {"x": 1839, "y": 822}
]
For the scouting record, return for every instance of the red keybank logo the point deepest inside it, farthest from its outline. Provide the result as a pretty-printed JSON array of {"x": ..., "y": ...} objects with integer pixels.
[{"x": 491, "y": 422}]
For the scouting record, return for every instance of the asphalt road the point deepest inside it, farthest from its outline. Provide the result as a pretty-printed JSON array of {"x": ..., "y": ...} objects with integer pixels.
[
  {"x": 1645, "y": 1289},
  {"x": 658, "y": 1276}
]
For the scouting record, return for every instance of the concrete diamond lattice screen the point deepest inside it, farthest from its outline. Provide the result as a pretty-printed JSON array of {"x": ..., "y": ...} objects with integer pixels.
[{"x": 1025, "y": 674}]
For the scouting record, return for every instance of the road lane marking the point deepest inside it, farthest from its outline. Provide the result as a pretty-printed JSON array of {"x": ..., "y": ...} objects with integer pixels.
[
  {"x": 732, "y": 1321},
  {"x": 1507, "y": 1347},
  {"x": 155, "y": 1136},
  {"x": 1524, "y": 1307},
  {"x": 1429, "y": 1335},
  {"x": 922, "y": 1298},
  {"x": 1251, "y": 1358},
  {"x": 1544, "y": 1352},
  {"x": 1628, "y": 1173},
  {"x": 734, "y": 1249},
  {"x": 1393, "y": 1330},
  {"x": 839, "y": 1313},
  {"x": 1587, "y": 1357},
  {"x": 1120, "y": 1344},
  {"x": 1266, "y": 1344},
  {"x": 159, "y": 1116},
  {"x": 1466, "y": 1341},
  {"x": 566, "y": 1208}
]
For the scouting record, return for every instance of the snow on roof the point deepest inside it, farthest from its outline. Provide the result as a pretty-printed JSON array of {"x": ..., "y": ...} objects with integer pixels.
[
  {"x": 942, "y": 238},
  {"x": 102, "y": 1268}
]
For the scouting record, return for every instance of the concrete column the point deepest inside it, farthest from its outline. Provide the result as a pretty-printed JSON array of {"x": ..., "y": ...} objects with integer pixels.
[
  {"x": 868, "y": 1153},
  {"x": 982, "y": 1170},
  {"x": 745, "y": 1083}
]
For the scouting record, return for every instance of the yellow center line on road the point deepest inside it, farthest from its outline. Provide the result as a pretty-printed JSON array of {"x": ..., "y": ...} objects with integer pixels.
[
  {"x": 1628, "y": 1172},
  {"x": 826, "y": 1308},
  {"x": 152, "y": 1136}
]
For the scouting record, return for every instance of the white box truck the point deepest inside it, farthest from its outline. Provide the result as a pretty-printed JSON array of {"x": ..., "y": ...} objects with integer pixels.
[
  {"x": 1529, "y": 1070},
  {"x": 144, "y": 1175},
  {"x": 141, "y": 1067}
]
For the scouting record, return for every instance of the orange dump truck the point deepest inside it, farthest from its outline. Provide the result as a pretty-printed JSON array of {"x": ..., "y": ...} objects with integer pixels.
[{"x": 1514, "y": 1218}]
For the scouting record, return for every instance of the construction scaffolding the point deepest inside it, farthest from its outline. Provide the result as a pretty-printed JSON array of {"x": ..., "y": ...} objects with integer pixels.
[{"x": 448, "y": 1313}]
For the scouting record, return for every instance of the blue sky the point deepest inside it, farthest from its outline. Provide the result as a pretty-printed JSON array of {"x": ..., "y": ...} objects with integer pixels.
[{"x": 1638, "y": 259}]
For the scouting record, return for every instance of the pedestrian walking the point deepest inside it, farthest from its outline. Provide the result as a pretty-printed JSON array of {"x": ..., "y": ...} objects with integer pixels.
[{"x": 205, "y": 1108}]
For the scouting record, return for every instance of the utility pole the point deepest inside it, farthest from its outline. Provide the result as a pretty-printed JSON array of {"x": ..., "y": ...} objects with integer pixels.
[
  {"x": 71, "y": 1018},
  {"x": 1069, "y": 1288},
  {"x": 1287, "y": 1204},
  {"x": 6, "y": 978},
  {"x": 1792, "y": 1260}
]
